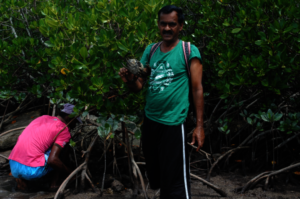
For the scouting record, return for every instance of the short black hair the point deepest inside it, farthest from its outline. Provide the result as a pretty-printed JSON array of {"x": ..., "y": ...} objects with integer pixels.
[
  {"x": 170, "y": 8},
  {"x": 62, "y": 114}
]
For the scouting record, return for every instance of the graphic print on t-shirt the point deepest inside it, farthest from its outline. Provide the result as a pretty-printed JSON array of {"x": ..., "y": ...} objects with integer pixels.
[{"x": 161, "y": 76}]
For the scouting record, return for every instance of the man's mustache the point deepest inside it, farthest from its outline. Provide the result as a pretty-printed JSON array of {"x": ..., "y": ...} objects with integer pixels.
[{"x": 168, "y": 32}]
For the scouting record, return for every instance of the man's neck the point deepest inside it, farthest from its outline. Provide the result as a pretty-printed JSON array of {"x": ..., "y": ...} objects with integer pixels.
[
  {"x": 62, "y": 119},
  {"x": 168, "y": 46}
]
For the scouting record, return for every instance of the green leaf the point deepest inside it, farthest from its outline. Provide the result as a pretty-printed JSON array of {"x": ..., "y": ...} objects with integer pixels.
[
  {"x": 138, "y": 134},
  {"x": 123, "y": 11},
  {"x": 236, "y": 30},
  {"x": 249, "y": 120},
  {"x": 72, "y": 143},
  {"x": 226, "y": 23},
  {"x": 51, "y": 22},
  {"x": 122, "y": 47},
  {"x": 97, "y": 81},
  {"x": 85, "y": 113},
  {"x": 264, "y": 117},
  {"x": 258, "y": 42},
  {"x": 270, "y": 114},
  {"x": 288, "y": 29},
  {"x": 49, "y": 44},
  {"x": 277, "y": 116},
  {"x": 264, "y": 82},
  {"x": 83, "y": 52},
  {"x": 143, "y": 27}
]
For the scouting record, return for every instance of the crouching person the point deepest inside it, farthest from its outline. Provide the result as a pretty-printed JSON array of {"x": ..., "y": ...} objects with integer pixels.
[{"x": 37, "y": 153}]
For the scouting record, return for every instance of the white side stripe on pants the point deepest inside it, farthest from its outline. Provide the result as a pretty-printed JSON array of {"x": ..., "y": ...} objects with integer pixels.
[{"x": 184, "y": 163}]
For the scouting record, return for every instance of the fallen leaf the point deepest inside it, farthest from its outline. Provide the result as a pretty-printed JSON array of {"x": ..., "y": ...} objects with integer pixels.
[
  {"x": 14, "y": 121},
  {"x": 297, "y": 173},
  {"x": 32, "y": 117},
  {"x": 238, "y": 160},
  {"x": 63, "y": 71}
]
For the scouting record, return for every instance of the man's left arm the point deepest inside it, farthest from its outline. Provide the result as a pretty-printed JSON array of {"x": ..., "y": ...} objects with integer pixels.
[{"x": 197, "y": 90}]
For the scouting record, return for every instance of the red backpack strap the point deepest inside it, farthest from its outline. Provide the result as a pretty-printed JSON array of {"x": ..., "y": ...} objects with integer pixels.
[
  {"x": 153, "y": 49},
  {"x": 186, "y": 46}
]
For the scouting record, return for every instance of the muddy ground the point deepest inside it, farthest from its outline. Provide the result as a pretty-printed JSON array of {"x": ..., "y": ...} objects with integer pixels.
[{"x": 227, "y": 181}]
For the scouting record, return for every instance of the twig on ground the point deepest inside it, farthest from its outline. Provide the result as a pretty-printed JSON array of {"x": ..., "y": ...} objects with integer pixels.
[
  {"x": 6, "y": 132},
  {"x": 2, "y": 156},
  {"x": 140, "y": 175},
  {"x": 214, "y": 187},
  {"x": 222, "y": 156},
  {"x": 156, "y": 194},
  {"x": 90, "y": 181},
  {"x": 248, "y": 183},
  {"x": 136, "y": 167},
  {"x": 82, "y": 167},
  {"x": 87, "y": 157},
  {"x": 266, "y": 175},
  {"x": 59, "y": 193}
]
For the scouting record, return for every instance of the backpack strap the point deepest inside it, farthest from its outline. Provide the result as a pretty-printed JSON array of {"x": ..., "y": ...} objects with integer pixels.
[
  {"x": 186, "y": 46},
  {"x": 153, "y": 49}
]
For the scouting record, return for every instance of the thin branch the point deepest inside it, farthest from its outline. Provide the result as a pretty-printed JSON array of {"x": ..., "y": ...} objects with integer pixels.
[
  {"x": 4, "y": 157},
  {"x": 214, "y": 187},
  {"x": 6, "y": 132}
]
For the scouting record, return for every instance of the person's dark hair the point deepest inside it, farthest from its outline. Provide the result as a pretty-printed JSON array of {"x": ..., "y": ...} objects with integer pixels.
[
  {"x": 170, "y": 8},
  {"x": 62, "y": 114}
]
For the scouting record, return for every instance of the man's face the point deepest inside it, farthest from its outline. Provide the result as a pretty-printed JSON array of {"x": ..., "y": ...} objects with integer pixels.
[
  {"x": 169, "y": 27},
  {"x": 73, "y": 123}
]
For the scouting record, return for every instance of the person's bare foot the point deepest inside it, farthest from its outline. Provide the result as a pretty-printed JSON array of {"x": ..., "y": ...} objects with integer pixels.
[{"x": 21, "y": 184}]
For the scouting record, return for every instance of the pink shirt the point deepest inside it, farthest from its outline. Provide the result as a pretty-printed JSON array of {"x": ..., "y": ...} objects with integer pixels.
[{"x": 37, "y": 138}]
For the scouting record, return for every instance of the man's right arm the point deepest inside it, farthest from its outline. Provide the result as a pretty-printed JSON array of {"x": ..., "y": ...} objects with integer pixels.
[
  {"x": 55, "y": 161},
  {"x": 135, "y": 84}
]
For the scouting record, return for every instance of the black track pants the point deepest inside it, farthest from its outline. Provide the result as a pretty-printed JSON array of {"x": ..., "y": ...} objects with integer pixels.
[{"x": 167, "y": 162}]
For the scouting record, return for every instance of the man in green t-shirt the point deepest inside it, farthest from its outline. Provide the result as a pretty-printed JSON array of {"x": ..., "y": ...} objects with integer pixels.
[{"x": 167, "y": 104}]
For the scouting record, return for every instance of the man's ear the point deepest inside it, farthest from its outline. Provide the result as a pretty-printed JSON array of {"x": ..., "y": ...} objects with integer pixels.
[{"x": 180, "y": 27}]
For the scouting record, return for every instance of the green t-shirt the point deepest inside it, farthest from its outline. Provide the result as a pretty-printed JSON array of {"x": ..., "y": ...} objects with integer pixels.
[{"x": 167, "y": 99}]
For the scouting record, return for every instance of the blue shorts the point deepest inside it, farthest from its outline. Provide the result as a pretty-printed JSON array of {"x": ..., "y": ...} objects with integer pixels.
[{"x": 22, "y": 171}]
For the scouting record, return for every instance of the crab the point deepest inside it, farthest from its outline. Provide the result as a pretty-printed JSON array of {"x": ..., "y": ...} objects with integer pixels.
[{"x": 136, "y": 67}]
